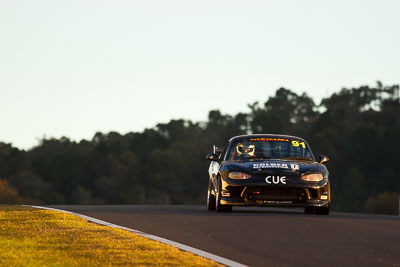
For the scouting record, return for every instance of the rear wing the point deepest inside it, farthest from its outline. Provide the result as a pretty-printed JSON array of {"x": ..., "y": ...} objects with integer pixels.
[{"x": 217, "y": 150}]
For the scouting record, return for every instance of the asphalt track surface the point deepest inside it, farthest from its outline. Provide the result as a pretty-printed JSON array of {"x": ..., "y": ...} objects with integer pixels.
[{"x": 265, "y": 236}]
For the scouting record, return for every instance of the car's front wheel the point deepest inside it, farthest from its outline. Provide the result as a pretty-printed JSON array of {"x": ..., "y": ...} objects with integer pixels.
[
  {"x": 218, "y": 206},
  {"x": 322, "y": 210},
  {"x": 316, "y": 210},
  {"x": 308, "y": 210},
  {"x": 210, "y": 197}
]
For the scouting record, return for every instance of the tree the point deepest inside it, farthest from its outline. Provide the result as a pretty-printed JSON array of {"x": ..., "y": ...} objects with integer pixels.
[{"x": 283, "y": 113}]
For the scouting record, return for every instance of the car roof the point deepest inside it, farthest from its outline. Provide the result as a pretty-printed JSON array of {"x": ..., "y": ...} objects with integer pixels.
[{"x": 263, "y": 135}]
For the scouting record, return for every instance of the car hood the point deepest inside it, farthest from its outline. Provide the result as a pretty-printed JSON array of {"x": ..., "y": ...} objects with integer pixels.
[{"x": 275, "y": 166}]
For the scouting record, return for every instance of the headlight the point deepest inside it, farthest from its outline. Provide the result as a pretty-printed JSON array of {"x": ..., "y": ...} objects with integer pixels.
[
  {"x": 239, "y": 175},
  {"x": 314, "y": 177}
]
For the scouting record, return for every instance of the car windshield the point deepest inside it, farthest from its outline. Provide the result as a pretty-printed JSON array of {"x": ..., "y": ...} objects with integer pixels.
[{"x": 269, "y": 148}]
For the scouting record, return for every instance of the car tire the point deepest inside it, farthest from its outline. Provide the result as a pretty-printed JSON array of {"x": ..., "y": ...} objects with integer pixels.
[
  {"x": 309, "y": 210},
  {"x": 322, "y": 210},
  {"x": 210, "y": 197},
  {"x": 218, "y": 206}
]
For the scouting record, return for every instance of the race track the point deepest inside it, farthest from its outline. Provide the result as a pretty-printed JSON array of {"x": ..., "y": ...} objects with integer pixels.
[{"x": 266, "y": 236}]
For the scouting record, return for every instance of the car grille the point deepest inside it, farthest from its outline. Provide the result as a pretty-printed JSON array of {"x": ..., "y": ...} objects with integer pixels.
[{"x": 276, "y": 194}]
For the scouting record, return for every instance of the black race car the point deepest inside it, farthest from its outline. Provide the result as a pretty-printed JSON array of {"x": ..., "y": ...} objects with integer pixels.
[{"x": 267, "y": 170}]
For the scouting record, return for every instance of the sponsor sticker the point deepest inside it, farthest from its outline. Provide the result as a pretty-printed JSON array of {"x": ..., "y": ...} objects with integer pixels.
[
  {"x": 270, "y": 165},
  {"x": 269, "y": 139},
  {"x": 275, "y": 179},
  {"x": 294, "y": 167},
  {"x": 275, "y": 202}
]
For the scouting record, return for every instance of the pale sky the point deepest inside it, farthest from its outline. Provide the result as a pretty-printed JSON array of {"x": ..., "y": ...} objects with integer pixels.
[{"x": 72, "y": 68}]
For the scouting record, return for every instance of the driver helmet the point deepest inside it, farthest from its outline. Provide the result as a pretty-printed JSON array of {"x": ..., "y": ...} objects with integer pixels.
[{"x": 245, "y": 149}]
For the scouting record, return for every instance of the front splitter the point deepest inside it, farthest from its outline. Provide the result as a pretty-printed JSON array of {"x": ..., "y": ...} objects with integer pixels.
[{"x": 273, "y": 203}]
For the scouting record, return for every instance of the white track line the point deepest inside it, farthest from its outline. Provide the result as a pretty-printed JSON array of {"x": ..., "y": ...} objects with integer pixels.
[{"x": 153, "y": 237}]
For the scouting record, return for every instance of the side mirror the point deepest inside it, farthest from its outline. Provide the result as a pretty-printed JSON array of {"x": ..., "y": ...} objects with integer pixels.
[
  {"x": 217, "y": 149},
  {"x": 323, "y": 158},
  {"x": 212, "y": 157}
]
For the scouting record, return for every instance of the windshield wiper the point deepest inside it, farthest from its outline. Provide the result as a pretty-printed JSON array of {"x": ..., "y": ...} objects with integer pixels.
[
  {"x": 258, "y": 158},
  {"x": 298, "y": 158}
]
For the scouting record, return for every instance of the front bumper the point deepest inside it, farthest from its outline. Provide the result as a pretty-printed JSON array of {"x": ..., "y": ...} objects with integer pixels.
[{"x": 311, "y": 195}]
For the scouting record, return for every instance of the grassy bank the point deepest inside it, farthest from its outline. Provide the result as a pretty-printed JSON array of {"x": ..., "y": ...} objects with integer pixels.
[{"x": 32, "y": 237}]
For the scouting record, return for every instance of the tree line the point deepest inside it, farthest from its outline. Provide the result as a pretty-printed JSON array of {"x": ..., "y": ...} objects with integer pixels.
[{"x": 358, "y": 128}]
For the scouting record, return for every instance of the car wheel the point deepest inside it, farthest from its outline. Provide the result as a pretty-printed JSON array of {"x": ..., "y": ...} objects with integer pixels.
[
  {"x": 218, "y": 206},
  {"x": 210, "y": 197},
  {"x": 322, "y": 210},
  {"x": 308, "y": 210}
]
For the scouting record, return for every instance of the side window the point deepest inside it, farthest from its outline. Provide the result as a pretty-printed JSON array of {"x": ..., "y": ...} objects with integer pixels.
[{"x": 222, "y": 156}]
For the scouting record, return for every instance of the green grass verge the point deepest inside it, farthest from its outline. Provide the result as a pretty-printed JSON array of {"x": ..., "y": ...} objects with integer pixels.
[{"x": 34, "y": 237}]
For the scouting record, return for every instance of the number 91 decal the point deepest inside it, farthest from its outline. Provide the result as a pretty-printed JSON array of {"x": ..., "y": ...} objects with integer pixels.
[{"x": 297, "y": 144}]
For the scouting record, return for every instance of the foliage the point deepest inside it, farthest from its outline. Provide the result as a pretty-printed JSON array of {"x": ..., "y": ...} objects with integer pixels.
[
  {"x": 386, "y": 203},
  {"x": 358, "y": 128},
  {"x": 8, "y": 194}
]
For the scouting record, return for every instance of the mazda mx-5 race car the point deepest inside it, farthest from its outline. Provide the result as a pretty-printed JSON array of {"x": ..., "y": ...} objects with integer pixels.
[{"x": 268, "y": 170}]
